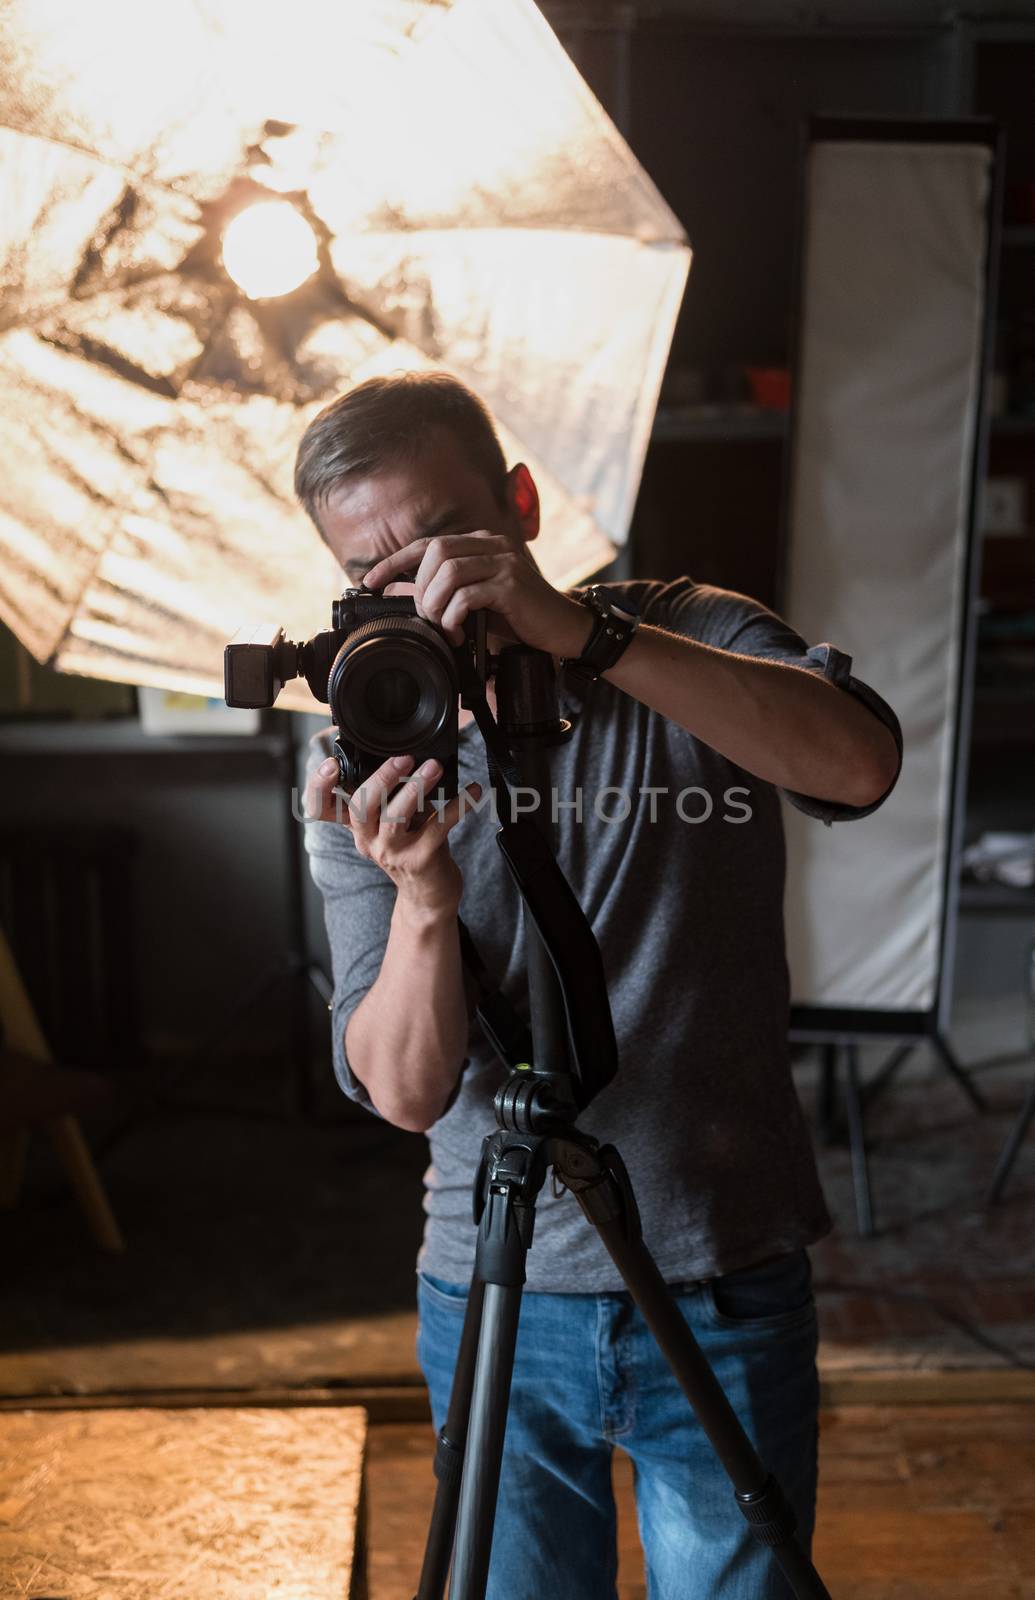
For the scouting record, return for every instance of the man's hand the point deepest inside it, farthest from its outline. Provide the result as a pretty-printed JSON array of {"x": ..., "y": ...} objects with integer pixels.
[
  {"x": 383, "y": 817},
  {"x": 464, "y": 572}
]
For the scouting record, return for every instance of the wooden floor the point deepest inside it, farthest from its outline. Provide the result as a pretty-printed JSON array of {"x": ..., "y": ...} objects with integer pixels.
[{"x": 916, "y": 1503}]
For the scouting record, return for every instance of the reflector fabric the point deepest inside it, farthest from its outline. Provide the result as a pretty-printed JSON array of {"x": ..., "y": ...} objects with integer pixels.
[{"x": 475, "y": 210}]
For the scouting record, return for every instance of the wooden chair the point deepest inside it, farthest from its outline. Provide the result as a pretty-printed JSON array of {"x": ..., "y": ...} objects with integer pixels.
[{"x": 34, "y": 1090}]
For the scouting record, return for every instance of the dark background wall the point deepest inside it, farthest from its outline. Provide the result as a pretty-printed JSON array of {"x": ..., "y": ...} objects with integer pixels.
[
  {"x": 207, "y": 909},
  {"x": 714, "y": 109}
]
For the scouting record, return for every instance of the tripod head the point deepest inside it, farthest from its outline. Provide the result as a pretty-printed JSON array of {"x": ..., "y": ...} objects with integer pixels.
[{"x": 574, "y": 1052}]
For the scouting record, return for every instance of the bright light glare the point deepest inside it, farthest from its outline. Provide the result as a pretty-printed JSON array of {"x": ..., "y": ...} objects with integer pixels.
[{"x": 269, "y": 249}]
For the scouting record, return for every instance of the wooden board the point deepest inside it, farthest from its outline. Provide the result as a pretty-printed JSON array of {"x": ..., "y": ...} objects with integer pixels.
[{"x": 182, "y": 1505}]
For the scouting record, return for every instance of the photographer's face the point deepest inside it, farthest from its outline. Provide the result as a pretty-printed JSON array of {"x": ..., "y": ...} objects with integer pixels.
[{"x": 441, "y": 492}]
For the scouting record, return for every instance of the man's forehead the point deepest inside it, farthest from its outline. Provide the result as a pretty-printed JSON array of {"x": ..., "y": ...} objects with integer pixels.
[
  {"x": 368, "y": 530},
  {"x": 365, "y": 519}
]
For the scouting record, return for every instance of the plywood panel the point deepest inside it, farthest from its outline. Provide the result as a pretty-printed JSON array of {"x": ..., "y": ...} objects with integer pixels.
[{"x": 182, "y": 1505}]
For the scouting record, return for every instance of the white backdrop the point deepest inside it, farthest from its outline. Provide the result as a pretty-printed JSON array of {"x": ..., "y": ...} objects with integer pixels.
[{"x": 887, "y": 388}]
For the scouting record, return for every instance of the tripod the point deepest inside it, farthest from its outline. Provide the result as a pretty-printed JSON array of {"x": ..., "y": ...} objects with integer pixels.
[{"x": 572, "y": 1056}]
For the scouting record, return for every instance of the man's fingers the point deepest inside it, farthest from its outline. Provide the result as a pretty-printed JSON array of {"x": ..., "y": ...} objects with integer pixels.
[
  {"x": 453, "y": 574},
  {"x": 403, "y": 805},
  {"x": 334, "y": 808},
  {"x": 472, "y": 597},
  {"x": 461, "y": 806},
  {"x": 365, "y": 803},
  {"x": 416, "y": 847},
  {"x": 407, "y": 559},
  {"x": 326, "y": 801},
  {"x": 423, "y": 556},
  {"x": 441, "y": 824},
  {"x": 447, "y": 554},
  {"x": 319, "y": 791},
  {"x": 386, "y": 804}
]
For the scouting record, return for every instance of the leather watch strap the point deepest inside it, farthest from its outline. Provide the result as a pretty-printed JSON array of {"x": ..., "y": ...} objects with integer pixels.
[{"x": 615, "y": 623}]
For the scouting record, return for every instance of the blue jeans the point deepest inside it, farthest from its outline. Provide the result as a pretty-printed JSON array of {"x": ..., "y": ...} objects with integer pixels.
[{"x": 587, "y": 1376}]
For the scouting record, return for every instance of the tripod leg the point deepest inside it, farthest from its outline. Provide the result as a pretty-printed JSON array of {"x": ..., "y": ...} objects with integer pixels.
[
  {"x": 857, "y": 1141},
  {"x": 951, "y": 1065},
  {"x": 1005, "y": 1164},
  {"x": 606, "y": 1200},
  {"x": 828, "y": 1093},
  {"x": 449, "y": 1455},
  {"x": 509, "y": 1178},
  {"x": 479, "y": 1487}
]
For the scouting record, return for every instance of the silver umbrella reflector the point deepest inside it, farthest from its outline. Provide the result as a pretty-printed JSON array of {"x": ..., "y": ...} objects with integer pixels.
[{"x": 217, "y": 217}]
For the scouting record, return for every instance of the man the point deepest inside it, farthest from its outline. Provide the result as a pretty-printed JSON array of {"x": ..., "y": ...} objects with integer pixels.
[{"x": 668, "y": 828}]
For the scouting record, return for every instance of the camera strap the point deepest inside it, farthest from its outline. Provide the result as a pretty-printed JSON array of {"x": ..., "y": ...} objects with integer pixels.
[
  {"x": 508, "y": 1034},
  {"x": 502, "y": 771},
  {"x": 562, "y": 927}
]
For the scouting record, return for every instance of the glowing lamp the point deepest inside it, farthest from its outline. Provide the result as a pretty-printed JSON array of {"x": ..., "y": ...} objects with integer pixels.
[{"x": 269, "y": 249}]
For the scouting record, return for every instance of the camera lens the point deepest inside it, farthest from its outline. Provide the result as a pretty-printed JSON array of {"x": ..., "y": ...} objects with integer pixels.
[
  {"x": 392, "y": 695},
  {"x": 393, "y": 685}
]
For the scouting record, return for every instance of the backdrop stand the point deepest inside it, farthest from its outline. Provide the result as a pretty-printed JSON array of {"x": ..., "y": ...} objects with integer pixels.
[
  {"x": 945, "y": 1055},
  {"x": 888, "y": 445},
  {"x": 1012, "y": 1148},
  {"x": 841, "y": 1085},
  {"x": 1018, "y": 1133}
]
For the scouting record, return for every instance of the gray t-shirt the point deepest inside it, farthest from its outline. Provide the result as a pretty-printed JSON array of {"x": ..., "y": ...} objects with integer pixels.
[{"x": 684, "y": 892}]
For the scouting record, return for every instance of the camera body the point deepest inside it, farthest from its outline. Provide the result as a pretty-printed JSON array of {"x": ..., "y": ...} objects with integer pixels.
[{"x": 393, "y": 681}]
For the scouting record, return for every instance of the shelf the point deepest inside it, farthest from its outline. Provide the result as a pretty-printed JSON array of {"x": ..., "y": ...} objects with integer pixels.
[
  {"x": 58, "y": 738},
  {"x": 687, "y": 424},
  {"x": 1013, "y": 424},
  {"x": 674, "y": 424},
  {"x": 1020, "y": 235}
]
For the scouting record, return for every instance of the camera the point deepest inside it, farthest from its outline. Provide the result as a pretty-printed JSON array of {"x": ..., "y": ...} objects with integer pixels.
[{"x": 392, "y": 680}]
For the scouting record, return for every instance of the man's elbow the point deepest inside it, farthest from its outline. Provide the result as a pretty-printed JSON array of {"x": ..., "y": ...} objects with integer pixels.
[
  {"x": 412, "y": 1114},
  {"x": 871, "y": 771},
  {"x": 410, "y": 1119}
]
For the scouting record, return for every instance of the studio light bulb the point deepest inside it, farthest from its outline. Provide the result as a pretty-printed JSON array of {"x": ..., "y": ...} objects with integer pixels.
[{"x": 269, "y": 249}]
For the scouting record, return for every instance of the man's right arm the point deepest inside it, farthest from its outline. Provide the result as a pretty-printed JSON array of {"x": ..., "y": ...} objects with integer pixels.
[{"x": 406, "y": 1039}]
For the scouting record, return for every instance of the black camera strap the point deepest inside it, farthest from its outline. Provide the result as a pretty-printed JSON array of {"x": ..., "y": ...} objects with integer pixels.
[
  {"x": 559, "y": 920},
  {"x": 505, "y": 1030},
  {"x": 503, "y": 773}
]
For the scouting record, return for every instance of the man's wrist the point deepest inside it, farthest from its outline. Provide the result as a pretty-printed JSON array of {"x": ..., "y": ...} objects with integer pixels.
[
  {"x": 424, "y": 908},
  {"x": 575, "y": 631}
]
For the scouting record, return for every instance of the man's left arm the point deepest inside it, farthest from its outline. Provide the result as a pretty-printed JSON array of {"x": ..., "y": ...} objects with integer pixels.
[
  {"x": 781, "y": 722},
  {"x": 791, "y": 726}
]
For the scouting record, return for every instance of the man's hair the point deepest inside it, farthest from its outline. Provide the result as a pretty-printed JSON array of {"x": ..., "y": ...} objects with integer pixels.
[{"x": 385, "y": 422}]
